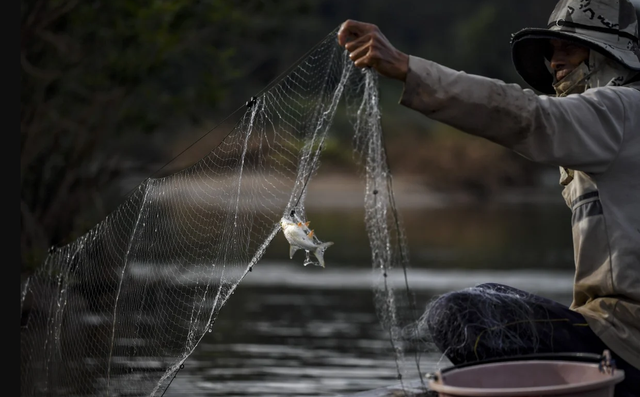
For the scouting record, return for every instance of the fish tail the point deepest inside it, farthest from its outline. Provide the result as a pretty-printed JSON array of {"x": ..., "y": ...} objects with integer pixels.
[{"x": 319, "y": 252}]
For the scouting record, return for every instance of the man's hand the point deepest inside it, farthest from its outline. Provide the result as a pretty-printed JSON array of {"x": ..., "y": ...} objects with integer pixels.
[{"x": 368, "y": 47}]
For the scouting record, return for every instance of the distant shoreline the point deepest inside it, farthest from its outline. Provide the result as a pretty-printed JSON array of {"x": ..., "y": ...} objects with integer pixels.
[{"x": 343, "y": 190}]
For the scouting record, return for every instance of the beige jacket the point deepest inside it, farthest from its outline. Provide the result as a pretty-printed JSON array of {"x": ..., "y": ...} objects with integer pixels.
[{"x": 596, "y": 133}]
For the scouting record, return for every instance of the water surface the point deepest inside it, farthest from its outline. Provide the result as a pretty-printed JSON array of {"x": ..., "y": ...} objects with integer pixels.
[{"x": 308, "y": 331}]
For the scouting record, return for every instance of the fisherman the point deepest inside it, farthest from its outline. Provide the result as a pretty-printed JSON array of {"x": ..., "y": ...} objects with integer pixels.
[{"x": 585, "y": 119}]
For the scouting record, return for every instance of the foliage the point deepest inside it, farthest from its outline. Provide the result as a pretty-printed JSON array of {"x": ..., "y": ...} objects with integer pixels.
[{"x": 99, "y": 77}]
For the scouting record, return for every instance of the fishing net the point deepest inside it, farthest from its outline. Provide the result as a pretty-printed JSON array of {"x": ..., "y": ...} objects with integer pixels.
[
  {"x": 119, "y": 310},
  {"x": 491, "y": 320}
]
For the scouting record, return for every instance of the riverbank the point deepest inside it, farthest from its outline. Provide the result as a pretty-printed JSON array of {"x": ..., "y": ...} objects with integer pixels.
[{"x": 347, "y": 191}]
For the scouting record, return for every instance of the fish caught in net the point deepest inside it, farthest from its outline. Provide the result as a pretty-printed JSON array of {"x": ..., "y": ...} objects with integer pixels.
[{"x": 120, "y": 309}]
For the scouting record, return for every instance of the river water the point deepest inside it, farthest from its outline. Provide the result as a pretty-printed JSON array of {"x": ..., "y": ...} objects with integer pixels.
[{"x": 290, "y": 330}]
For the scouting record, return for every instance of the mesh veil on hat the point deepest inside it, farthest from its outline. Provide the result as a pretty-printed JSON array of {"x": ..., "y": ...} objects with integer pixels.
[{"x": 607, "y": 26}]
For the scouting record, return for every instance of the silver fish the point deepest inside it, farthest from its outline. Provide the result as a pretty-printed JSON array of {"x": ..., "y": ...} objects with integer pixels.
[{"x": 300, "y": 236}]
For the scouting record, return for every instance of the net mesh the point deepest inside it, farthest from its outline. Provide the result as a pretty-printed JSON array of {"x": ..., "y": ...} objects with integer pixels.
[{"x": 119, "y": 310}]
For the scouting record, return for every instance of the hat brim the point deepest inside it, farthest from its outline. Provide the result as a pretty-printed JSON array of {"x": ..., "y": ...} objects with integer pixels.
[{"x": 529, "y": 47}]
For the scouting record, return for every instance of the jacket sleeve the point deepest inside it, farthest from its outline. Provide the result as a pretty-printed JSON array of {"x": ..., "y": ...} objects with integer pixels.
[{"x": 582, "y": 132}]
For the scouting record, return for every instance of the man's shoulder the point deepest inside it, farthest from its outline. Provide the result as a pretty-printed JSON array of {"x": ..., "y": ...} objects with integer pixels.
[
  {"x": 635, "y": 84},
  {"x": 627, "y": 91}
]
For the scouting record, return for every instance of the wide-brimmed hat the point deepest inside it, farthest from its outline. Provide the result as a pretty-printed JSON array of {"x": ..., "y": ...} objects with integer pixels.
[{"x": 607, "y": 26}]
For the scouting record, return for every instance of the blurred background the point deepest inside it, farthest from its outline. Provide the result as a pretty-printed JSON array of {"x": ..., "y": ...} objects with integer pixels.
[{"x": 114, "y": 92}]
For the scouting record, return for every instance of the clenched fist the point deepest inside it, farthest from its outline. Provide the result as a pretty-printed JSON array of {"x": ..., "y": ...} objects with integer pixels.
[{"x": 368, "y": 47}]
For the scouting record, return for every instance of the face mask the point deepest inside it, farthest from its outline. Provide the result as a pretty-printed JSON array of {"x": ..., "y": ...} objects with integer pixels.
[
  {"x": 573, "y": 83},
  {"x": 599, "y": 71}
]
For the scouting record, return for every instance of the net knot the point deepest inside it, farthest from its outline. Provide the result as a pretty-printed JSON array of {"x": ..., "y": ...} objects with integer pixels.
[{"x": 252, "y": 101}]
